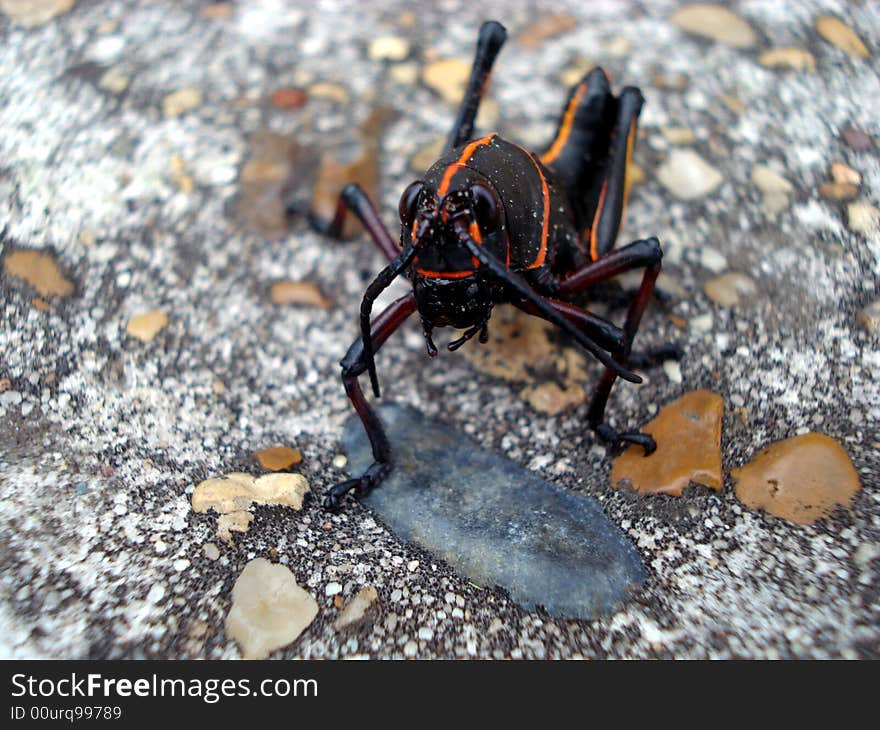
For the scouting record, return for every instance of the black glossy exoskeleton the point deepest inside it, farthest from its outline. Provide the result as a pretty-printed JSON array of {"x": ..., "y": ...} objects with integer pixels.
[{"x": 491, "y": 222}]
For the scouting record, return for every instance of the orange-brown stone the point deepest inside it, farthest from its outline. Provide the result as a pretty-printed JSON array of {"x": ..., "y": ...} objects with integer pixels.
[
  {"x": 278, "y": 458},
  {"x": 800, "y": 479},
  {"x": 688, "y": 436}
]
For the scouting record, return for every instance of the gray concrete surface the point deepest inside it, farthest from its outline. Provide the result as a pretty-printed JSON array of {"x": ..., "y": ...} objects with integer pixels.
[{"x": 102, "y": 555}]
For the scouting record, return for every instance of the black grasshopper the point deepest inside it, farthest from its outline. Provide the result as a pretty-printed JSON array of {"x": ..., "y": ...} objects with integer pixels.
[{"x": 491, "y": 222}]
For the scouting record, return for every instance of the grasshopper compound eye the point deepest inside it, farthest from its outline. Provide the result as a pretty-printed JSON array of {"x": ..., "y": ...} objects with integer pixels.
[
  {"x": 487, "y": 207},
  {"x": 408, "y": 202}
]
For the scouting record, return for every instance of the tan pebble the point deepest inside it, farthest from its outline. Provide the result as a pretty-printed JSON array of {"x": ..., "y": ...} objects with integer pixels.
[
  {"x": 237, "y": 492},
  {"x": 218, "y": 386},
  {"x": 715, "y": 22},
  {"x": 548, "y": 25},
  {"x": 731, "y": 289},
  {"x": 869, "y": 317},
  {"x": 212, "y": 552},
  {"x": 146, "y": 325},
  {"x": 863, "y": 218},
  {"x": 332, "y": 92},
  {"x": 844, "y": 174},
  {"x": 549, "y": 398},
  {"x": 767, "y": 180},
  {"x": 41, "y": 304},
  {"x": 5, "y": 384},
  {"x": 800, "y": 479},
  {"x": 674, "y": 81},
  {"x": 298, "y": 292},
  {"x": 688, "y": 436},
  {"x": 269, "y": 610},
  {"x": 448, "y": 77},
  {"x": 358, "y": 609},
  {"x": 180, "y": 176},
  {"x": 388, "y": 48},
  {"x": 31, "y": 13},
  {"x": 114, "y": 81},
  {"x": 841, "y": 35},
  {"x": 618, "y": 46},
  {"x": 678, "y": 135},
  {"x": 797, "y": 59},
  {"x": 338, "y": 602},
  {"x": 217, "y": 11},
  {"x": 734, "y": 103},
  {"x": 278, "y": 458},
  {"x": 406, "y": 74},
  {"x": 40, "y": 270},
  {"x": 838, "y": 191},
  {"x": 181, "y": 101}
]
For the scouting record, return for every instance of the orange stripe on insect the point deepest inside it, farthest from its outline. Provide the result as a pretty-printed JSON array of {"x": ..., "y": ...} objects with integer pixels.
[
  {"x": 444, "y": 274},
  {"x": 627, "y": 180},
  {"x": 466, "y": 154},
  {"x": 565, "y": 128},
  {"x": 594, "y": 246}
]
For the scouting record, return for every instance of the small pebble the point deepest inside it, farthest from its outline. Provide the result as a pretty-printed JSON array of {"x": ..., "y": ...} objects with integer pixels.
[
  {"x": 716, "y": 23},
  {"x": 288, "y": 98},
  {"x": 278, "y": 458},
  {"x": 303, "y": 293},
  {"x": 870, "y": 316},
  {"x": 731, "y": 289},
  {"x": 797, "y": 59},
  {"x": 339, "y": 461},
  {"x": 712, "y": 260},
  {"x": 181, "y": 101},
  {"x": 146, "y": 325},
  {"x": 856, "y": 138},
  {"x": 31, "y": 13},
  {"x": 688, "y": 436},
  {"x": 330, "y": 92},
  {"x": 40, "y": 270},
  {"x": 863, "y": 218},
  {"x": 767, "y": 180},
  {"x": 389, "y": 48},
  {"x": 406, "y": 74},
  {"x": 269, "y": 610},
  {"x": 410, "y": 649},
  {"x": 838, "y": 191},
  {"x": 841, "y": 35},
  {"x": 843, "y": 174},
  {"x": 687, "y": 175},
  {"x": 800, "y": 479},
  {"x": 332, "y": 589},
  {"x": 212, "y": 552},
  {"x": 359, "y": 609},
  {"x": 673, "y": 371},
  {"x": 678, "y": 135},
  {"x": 448, "y": 77}
]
